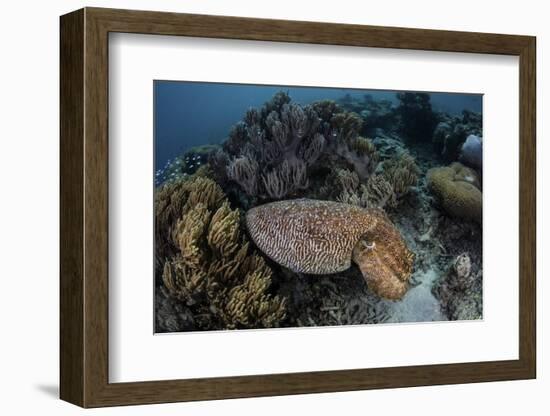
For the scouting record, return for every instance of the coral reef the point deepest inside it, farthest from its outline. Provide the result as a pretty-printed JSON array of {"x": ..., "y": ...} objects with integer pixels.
[
  {"x": 354, "y": 183},
  {"x": 380, "y": 190},
  {"x": 171, "y": 316},
  {"x": 377, "y": 192},
  {"x": 374, "y": 113},
  {"x": 207, "y": 262},
  {"x": 321, "y": 237},
  {"x": 185, "y": 165},
  {"x": 459, "y": 290},
  {"x": 471, "y": 153},
  {"x": 417, "y": 119},
  {"x": 268, "y": 153},
  {"x": 402, "y": 173},
  {"x": 457, "y": 189},
  {"x": 451, "y": 133},
  {"x": 172, "y": 201},
  {"x": 275, "y": 152},
  {"x": 358, "y": 152}
]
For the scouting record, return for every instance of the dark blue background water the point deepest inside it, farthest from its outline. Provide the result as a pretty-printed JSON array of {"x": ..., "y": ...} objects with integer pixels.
[{"x": 189, "y": 114}]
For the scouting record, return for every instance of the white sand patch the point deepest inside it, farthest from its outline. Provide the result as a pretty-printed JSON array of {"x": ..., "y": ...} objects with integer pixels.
[{"x": 418, "y": 304}]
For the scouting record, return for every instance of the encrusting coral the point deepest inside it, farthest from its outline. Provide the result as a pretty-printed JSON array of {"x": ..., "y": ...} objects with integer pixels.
[
  {"x": 207, "y": 262},
  {"x": 321, "y": 237},
  {"x": 458, "y": 191}
]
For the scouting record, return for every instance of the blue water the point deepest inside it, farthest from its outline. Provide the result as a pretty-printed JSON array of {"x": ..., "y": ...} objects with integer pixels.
[{"x": 189, "y": 114}]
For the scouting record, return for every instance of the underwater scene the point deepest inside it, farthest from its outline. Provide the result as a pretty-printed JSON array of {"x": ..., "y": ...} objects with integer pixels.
[{"x": 284, "y": 207}]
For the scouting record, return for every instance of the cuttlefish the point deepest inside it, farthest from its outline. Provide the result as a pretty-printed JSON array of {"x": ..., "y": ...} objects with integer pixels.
[{"x": 323, "y": 237}]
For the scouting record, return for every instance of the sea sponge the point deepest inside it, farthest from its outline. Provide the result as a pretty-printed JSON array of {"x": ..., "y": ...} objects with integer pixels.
[
  {"x": 209, "y": 265},
  {"x": 457, "y": 189},
  {"x": 472, "y": 151}
]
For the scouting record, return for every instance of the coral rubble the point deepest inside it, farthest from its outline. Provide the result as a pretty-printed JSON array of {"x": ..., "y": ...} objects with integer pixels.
[{"x": 459, "y": 290}]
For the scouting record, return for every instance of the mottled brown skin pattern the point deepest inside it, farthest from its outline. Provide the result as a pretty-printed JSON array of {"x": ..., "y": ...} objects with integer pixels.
[
  {"x": 384, "y": 259},
  {"x": 322, "y": 237}
]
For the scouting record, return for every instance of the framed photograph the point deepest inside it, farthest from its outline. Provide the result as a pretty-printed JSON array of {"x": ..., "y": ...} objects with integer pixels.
[{"x": 256, "y": 207}]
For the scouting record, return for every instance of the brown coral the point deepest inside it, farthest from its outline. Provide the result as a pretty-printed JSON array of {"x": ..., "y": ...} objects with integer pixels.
[
  {"x": 376, "y": 193},
  {"x": 172, "y": 201},
  {"x": 456, "y": 188},
  {"x": 402, "y": 173},
  {"x": 210, "y": 265},
  {"x": 321, "y": 237}
]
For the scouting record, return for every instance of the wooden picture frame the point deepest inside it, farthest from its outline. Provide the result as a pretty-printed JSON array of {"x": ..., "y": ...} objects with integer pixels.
[{"x": 84, "y": 207}]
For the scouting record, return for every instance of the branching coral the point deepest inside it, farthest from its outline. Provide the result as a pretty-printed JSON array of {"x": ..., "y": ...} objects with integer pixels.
[
  {"x": 244, "y": 170},
  {"x": 172, "y": 202},
  {"x": 343, "y": 180},
  {"x": 249, "y": 306},
  {"x": 359, "y": 152},
  {"x": 274, "y": 151},
  {"x": 285, "y": 179},
  {"x": 386, "y": 189},
  {"x": 402, "y": 173},
  {"x": 211, "y": 267},
  {"x": 272, "y": 148},
  {"x": 376, "y": 193},
  {"x": 326, "y": 109},
  {"x": 457, "y": 189}
]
